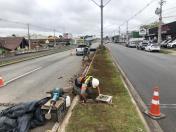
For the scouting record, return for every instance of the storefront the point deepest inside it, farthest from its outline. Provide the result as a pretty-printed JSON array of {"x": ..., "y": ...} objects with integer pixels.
[{"x": 168, "y": 31}]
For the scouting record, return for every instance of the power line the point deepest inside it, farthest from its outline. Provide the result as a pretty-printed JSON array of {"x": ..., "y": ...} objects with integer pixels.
[
  {"x": 107, "y": 2},
  {"x": 169, "y": 8},
  {"x": 21, "y": 23},
  {"x": 139, "y": 12},
  {"x": 169, "y": 16}
]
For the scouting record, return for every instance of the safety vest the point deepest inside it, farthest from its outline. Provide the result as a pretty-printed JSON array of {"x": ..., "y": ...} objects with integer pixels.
[{"x": 88, "y": 81}]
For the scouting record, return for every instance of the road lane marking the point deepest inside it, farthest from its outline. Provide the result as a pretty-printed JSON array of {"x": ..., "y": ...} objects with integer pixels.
[
  {"x": 166, "y": 106},
  {"x": 25, "y": 74}
]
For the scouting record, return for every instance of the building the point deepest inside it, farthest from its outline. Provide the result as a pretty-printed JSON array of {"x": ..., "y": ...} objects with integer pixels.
[
  {"x": 13, "y": 43},
  {"x": 168, "y": 31},
  {"x": 67, "y": 36}
]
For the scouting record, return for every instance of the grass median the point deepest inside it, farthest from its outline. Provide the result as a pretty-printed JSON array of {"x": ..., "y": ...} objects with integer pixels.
[{"x": 122, "y": 116}]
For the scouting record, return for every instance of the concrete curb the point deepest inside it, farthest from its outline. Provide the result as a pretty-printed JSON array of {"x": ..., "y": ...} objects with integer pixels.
[
  {"x": 61, "y": 127},
  {"x": 30, "y": 58},
  {"x": 150, "y": 124}
]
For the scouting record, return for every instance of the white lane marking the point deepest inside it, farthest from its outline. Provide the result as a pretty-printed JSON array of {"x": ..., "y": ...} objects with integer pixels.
[
  {"x": 167, "y": 106},
  {"x": 25, "y": 74}
]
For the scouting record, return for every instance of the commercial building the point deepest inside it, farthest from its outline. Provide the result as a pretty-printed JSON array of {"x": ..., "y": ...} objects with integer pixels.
[{"x": 168, "y": 31}]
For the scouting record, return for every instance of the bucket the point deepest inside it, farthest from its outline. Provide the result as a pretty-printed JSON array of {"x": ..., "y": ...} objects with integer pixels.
[{"x": 68, "y": 101}]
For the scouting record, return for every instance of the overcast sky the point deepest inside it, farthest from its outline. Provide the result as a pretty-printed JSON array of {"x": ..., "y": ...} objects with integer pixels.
[{"x": 77, "y": 16}]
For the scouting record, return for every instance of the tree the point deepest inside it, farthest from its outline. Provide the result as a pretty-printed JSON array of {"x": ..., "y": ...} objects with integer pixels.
[
  {"x": 151, "y": 25},
  {"x": 13, "y": 35}
]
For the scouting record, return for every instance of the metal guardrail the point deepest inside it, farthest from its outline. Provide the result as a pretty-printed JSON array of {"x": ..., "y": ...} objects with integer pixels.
[{"x": 23, "y": 57}]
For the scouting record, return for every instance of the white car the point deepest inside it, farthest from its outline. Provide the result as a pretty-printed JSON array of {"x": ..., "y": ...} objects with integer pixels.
[
  {"x": 172, "y": 44},
  {"x": 152, "y": 47},
  {"x": 80, "y": 49},
  {"x": 132, "y": 44}
]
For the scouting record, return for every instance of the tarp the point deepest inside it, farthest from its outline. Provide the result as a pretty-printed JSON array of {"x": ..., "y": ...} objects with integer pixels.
[{"x": 22, "y": 117}]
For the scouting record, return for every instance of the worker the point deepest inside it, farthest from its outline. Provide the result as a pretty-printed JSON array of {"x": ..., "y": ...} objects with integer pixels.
[
  {"x": 86, "y": 53},
  {"x": 87, "y": 87}
]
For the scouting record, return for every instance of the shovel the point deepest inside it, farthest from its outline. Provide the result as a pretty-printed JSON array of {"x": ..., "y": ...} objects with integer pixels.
[{"x": 48, "y": 115}]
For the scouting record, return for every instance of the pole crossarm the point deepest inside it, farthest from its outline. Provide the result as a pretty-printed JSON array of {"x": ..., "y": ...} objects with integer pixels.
[
  {"x": 95, "y": 3},
  {"x": 107, "y": 3}
]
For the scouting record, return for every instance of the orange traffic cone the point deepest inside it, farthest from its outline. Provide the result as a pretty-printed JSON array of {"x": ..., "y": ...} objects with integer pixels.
[
  {"x": 154, "y": 111},
  {"x": 1, "y": 82}
]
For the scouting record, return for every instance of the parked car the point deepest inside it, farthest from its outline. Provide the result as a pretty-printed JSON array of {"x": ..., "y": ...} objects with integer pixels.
[
  {"x": 80, "y": 49},
  {"x": 132, "y": 44},
  {"x": 172, "y": 44},
  {"x": 142, "y": 45},
  {"x": 152, "y": 47},
  {"x": 165, "y": 43}
]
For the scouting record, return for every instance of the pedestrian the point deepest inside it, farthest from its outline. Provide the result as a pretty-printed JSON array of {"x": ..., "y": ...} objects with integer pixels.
[{"x": 87, "y": 87}]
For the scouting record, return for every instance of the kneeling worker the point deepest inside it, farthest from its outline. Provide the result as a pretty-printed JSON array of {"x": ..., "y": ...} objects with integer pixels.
[{"x": 88, "y": 87}]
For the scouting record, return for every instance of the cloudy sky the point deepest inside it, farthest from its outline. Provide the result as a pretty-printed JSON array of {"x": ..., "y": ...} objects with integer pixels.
[{"x": 77, "y": 16}]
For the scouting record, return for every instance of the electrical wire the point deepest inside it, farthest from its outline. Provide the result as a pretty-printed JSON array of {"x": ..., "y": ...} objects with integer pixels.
[
  {"x": 139, "y": 12},
  {"x": 31, "y": 25},
  {"x": 107, "y": 2},
  {"x": 169, "y": 9},
  {"x": 169, "y": 16}
]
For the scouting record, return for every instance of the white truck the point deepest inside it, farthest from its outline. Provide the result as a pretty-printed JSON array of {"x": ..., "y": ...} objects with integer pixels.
[{"x": 80, "y": 49}]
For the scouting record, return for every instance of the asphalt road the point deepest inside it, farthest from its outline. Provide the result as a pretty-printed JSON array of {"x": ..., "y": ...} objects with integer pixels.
[
  {"x": 146, "y": 70},
  {"x": 30, "y": 80},
  {"x": 35, "y": 77}
]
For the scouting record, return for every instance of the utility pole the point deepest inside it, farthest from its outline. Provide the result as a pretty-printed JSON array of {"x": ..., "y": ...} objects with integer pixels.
[
  {"x": 127, "y": 33},
  {"x": 102, "y": 5},
  {"x": 29, "y": 41},
  {"x": 119, "y": 34},
  {"x": 159, "y": 12},
  {"x": 54, "y": 37},
  {"x": 119, "y": 31}
]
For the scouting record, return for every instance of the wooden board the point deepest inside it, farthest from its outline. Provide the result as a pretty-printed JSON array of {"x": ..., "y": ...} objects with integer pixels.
[
  {"x": 59, "y": 103},
  {"x": 104, "y": 98}
]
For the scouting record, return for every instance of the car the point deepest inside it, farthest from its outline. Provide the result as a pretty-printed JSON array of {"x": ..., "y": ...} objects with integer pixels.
[
  {"x": 152, "y": 47},
  {"x": 165, "y": 43},
  {"x": 132, "y": 44},
  {"x": 142, "y": 45},
  {"x": 80, "y": 49},
  {"x": 172, "y": 44}
]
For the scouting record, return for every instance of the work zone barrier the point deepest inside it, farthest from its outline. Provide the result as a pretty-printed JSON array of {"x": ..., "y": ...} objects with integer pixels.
[
  {"x": 1, "y": 82},
  {"x": 154, "y": 111}
]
